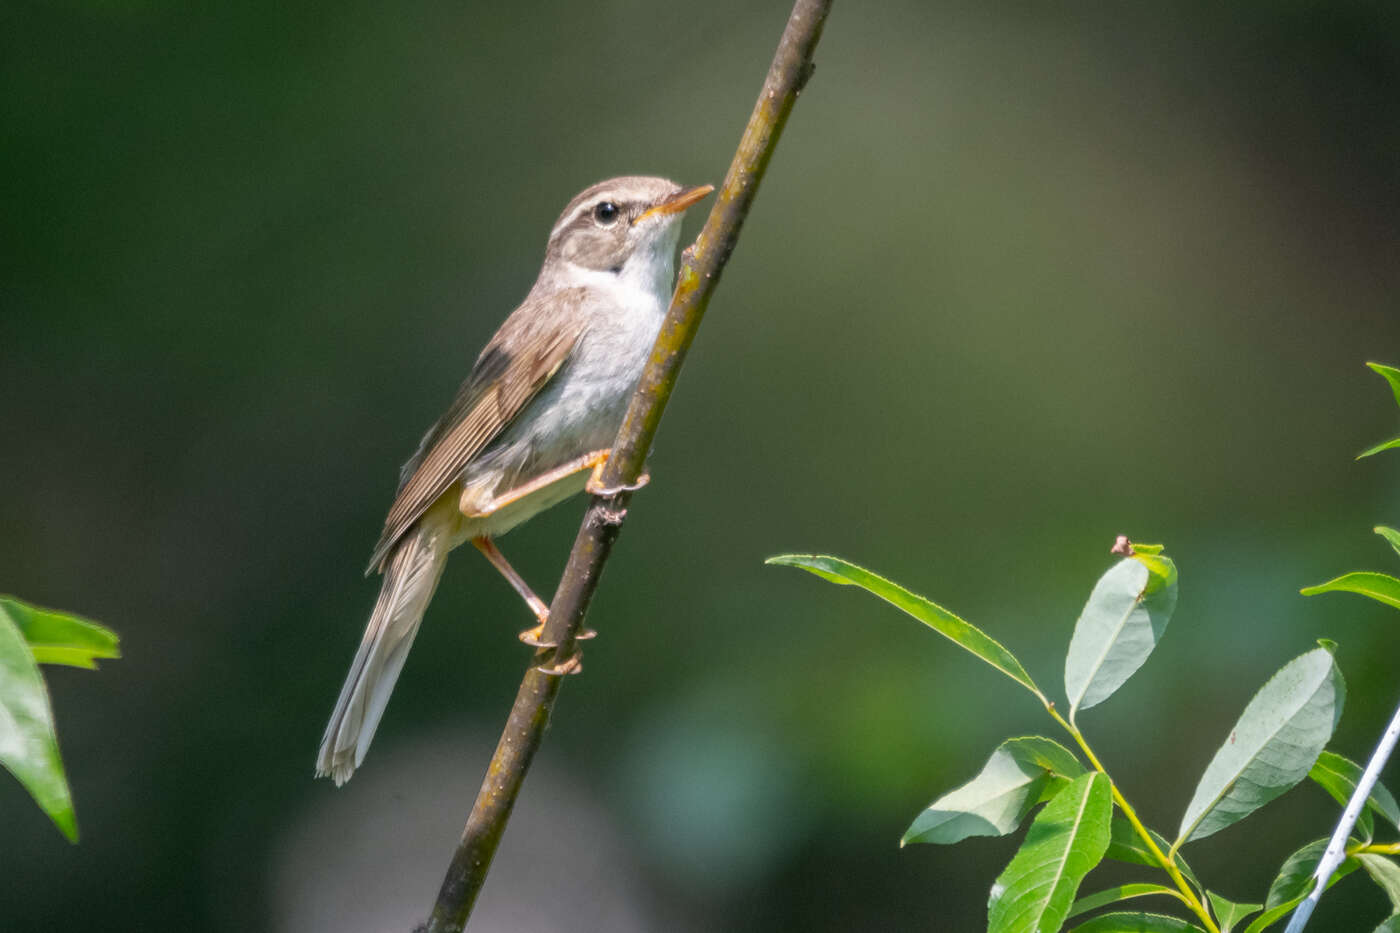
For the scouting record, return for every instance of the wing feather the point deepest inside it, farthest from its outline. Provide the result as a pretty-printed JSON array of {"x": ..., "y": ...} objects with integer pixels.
[{"x": 526, "y": 352}]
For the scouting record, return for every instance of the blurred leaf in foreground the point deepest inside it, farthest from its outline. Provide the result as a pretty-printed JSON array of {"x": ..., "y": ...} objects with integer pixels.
[
  {"x": 28, "y": 741},
  {"x": 60, "y": 638}
]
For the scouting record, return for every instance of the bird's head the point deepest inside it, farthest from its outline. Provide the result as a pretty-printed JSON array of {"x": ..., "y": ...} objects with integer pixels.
[{"x": 624, "y": 226}]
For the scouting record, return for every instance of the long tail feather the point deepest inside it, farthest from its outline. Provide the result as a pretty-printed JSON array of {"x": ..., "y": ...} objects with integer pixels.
[{"x": 410, "y": 576}]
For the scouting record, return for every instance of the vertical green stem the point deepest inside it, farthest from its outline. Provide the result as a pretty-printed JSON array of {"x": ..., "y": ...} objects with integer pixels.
[{"x": 1168, "y": 864}]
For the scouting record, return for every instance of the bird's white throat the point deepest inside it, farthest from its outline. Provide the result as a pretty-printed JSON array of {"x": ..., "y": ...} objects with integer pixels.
[{"x": 645, "y": 280}]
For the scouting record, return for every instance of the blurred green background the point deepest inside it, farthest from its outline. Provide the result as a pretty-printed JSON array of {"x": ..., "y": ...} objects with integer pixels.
[{"x": 1022, "y": 277}]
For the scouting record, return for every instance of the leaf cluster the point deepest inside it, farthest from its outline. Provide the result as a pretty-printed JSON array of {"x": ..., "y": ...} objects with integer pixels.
[
  {"x": 30, "y": 636},
  {"x": 1279, "y": 740}
]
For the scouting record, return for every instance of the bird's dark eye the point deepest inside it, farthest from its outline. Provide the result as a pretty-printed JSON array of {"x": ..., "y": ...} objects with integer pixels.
[{"x": 605, "y": 213}]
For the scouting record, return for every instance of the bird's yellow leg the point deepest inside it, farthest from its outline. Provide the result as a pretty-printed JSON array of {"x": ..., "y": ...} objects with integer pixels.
[
  {"x": 588, "y": 461},
  {"x": 498, "y": 560},
  {"x": 539, "y": 607}
]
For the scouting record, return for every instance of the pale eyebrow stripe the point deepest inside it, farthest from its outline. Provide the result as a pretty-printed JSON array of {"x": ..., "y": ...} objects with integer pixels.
[{"x": 570, "y": 219}]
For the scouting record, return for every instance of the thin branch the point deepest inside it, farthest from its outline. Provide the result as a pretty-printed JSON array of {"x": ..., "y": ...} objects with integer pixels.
[
  {"x": 699, "y": 273},
  {"x": 1336, "y": 846}
]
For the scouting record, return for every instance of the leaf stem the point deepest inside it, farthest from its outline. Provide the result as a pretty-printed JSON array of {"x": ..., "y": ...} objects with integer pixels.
[{"x": 1188, "y": 896}]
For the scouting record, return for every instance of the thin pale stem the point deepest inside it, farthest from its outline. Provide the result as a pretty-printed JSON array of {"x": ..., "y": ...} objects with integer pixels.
[
  {"x": 1336, "y": 846},
  {"x": 699, "y": 273},
  {"x": 1188, "y": 894}
]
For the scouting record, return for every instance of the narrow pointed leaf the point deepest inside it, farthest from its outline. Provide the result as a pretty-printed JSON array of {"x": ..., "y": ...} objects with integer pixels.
[
  {"x": 1228, "y": 914},
  {"x": 1123, "y": 892},
  {"x": 1385, "y": 873},
  {"x": 1294, "y": 879},
  {"x": 1271, "y": 748},
  {"x": 58, "y": 637},
  {"x": 28, "y": 742},
  {"x": 1339, "y": 776},
  {"x": 1137, "y": 923},
  {"x": 1391, "y": 375},
  {"x": 1383, "y": 445},
  {"x": 1017, "y": 777},
  {"x": 1125, "y": 845},
  {"x": 1381, "y": 587},
  {"x": 1389, "y": 534},
  {"x": 1272, "y": 915},
  {"x": 945, "y": 623},
  {"x": 1067, "y": 839},
  {"x": 1122, "y": 622}
]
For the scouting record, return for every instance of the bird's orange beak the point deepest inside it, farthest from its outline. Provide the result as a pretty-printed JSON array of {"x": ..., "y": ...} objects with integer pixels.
[{"x": 677, "y": 202}]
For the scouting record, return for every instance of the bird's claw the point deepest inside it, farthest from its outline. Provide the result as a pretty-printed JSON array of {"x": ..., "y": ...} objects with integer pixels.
[
  {"x": 573, "y": 664},
  {"x": 594, "y": 486},
  {"x": 534, "y": 637}
]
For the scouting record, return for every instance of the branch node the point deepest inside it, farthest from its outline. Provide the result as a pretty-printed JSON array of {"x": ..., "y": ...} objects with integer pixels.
[
  {"x": 611, "y": 516},
  {"x": 809, "y": 68}
]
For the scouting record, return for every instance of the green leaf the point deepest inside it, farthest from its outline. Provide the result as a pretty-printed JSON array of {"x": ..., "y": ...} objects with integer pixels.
[
  {"x": 945, "y": 623},
  {"x": 28, "y": 742},
  {"x": 1391, "y": 375},
  {"x": 1385, "y": 873},
  {"x": 1383, "y": 445},
  {"x": 1294, "y": 879},
  {"x": 1272, "y": 746},
  {"x": 1273, "y": 915},
  {"x": 1339, "y": 776},
  {"x": 1227, "y": 913},
  {"x": 1125, "y": 845},
  {"x": 1390, "y": 534},
  {"x": 1121, "y": 623},
  {"x": 1018, "y": 775},
  {"x": 1390, "y": 924},
  {"x": 1066, "y": 840},
  {"x": 1137, "y": 923},
  {"x": 1123, "y": 892},
  {"x": 1381, "y": 587},
  {"x": 60, "y": 638}
]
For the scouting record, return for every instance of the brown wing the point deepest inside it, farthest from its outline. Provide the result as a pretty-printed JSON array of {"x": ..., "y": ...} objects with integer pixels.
[{"x": 526, "y": 352}]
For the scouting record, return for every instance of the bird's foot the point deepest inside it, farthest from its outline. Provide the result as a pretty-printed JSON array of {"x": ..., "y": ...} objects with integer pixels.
[
  {"x": 595, "y": 487},
  {"x": 534, "y": 637},
  {"x": 573, "y": 664}
]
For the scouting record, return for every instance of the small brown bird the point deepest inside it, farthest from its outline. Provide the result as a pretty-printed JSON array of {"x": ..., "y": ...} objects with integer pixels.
[{"x": 545, "y": 398}]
